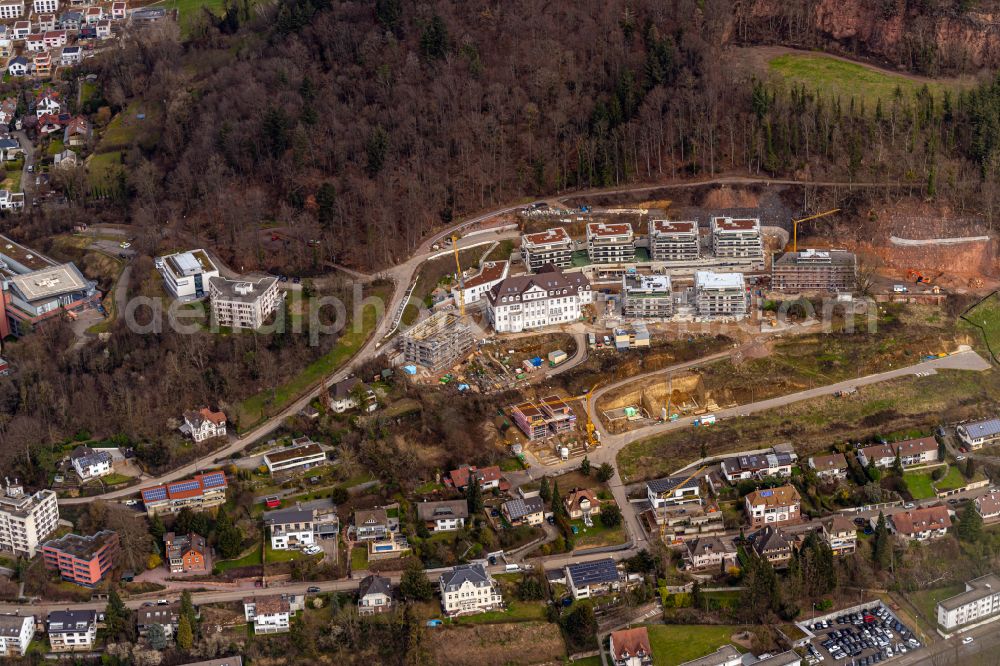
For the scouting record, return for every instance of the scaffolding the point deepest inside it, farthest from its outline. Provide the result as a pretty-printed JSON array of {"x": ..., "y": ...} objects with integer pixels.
[{"x": 438, "y": 342}]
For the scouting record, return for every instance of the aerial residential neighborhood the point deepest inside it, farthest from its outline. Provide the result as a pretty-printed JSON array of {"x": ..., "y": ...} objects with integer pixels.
[{"x": 499, "y": 334}]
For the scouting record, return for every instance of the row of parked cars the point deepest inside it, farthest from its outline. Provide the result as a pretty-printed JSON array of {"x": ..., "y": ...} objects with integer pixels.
[{"x": 867, "y": 637}]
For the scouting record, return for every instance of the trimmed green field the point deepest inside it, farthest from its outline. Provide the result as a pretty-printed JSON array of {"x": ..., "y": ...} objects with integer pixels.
[
  {"x": 516, "y": 611},
  {"x": 674, "y": 644},
  {"x": 919, "y": 484},
  {"x": 250, "y": 559},
  {"x": 103, "y": 169},
  {"x": 596, "y": 535},
  {"x": 186, "y": 8},
  {"x": 844, "y": 79},
  {"x": 359, "y": 558},
  {"x": 926, "y": 601}
]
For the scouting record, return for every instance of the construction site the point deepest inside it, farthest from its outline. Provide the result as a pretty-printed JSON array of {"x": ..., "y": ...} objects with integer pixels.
[{"x": 658, "y": 399}]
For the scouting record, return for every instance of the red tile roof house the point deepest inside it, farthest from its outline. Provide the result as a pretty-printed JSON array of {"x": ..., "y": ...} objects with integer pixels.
[
  {"x": 630, "y": 647},
  {"x": 77, "y": 132},
  {"x": 204, "y": 424},
  {"x": 83, "y": 560},
  {"x": 921, "y": 524},
  {"x": 489, "y": 477},
  {"x": 580, "y": 502}
]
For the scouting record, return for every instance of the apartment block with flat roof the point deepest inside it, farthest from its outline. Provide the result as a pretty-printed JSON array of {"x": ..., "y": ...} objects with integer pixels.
[
  {"x": 671, "y": 240},
  {"x": 26, "y": 520},
  {"x": 186, "y": 274},
  {"x": 200, "y": 492},
  {"x": 720, "y": 294},
  {"x": 610, "y": 243},
  {"x": 438, "y": 342},
  {"x": 83, "y": 560},
  {"x": 737, "y": 238},
  {"x": 979, "y": 602},
  {"x": 243, "y": 303},
  {"x": 647, "y": 296},
  {"x": 814, "y": 270},
  {"x": 552, "y": 246}
]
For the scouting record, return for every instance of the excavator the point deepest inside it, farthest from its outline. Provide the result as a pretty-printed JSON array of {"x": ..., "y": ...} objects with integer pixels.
[
  {"x": 796, "y": 223},
  {"x": 918, "y": 277},
  {"x": 592, "y": 438}
]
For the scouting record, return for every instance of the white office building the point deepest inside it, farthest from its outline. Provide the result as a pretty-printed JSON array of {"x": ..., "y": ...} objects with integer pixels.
[
  {"x": 527, "y": 302},
  {"x": 186, "y": 274},
  {"x": 720, "y": 294},
  {"x": 16, "y": 632},
  {"x": 468, "y": 589},
  {"x": 243, "y": 303},
  {"x": 26, "y": 520},
  {"x": 980, "y": 601}
]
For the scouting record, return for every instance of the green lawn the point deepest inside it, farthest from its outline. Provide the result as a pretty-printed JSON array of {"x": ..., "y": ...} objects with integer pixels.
[
  {"x": 598, "y": 535},
  {"x": 359, "y": 558},
  {"x": 919, "y": 484},
  {"x": 926, "y": 600},
  {"x": 186, "y": 8},
  {"x": 835, "y": 77},
  {"x": 13, "y": 180},
  {"x": 114, "y": 479},
  {"x": 255, "y": 409},
  {"x": 517, "y": 611},
  {"x": 250, "y": 559},
  {"x": 674, "y": 644},
  {"x": 56, "y": 146},
  {"x": 985, "y": 318},
  {"x": 955, "y": 479},
  {"x": 102, "y": 169}
]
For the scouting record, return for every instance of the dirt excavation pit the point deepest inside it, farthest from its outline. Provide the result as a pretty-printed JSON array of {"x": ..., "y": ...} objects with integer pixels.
[{"x": 648, "y": 398}]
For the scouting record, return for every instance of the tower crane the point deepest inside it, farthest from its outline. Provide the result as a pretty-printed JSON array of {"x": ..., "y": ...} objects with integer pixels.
[
  {"x": 796, "y": 223},
  {"x": 461, "y": 277}
]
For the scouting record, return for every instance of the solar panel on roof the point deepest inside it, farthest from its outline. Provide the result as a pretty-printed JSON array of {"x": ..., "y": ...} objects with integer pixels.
[
  {"x": 153, "y": 494},
  {"x": 184, "y": 486},
  {"x": 213, "y": 480},
  {"x": 766, "y": 493}
]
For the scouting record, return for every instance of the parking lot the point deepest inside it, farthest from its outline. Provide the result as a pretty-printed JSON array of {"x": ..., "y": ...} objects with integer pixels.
[{"x": 867, "y": 636}]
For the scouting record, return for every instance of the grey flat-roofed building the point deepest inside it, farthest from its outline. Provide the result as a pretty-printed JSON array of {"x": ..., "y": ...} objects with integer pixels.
[
  {"x": 814, "y": 270},
  {"x": 720, "y": 294},
  {"x": 243, "y": 303},
  {"x": 980, "y": 601},
  {"x": 186, "y": 274},
  {"x": 647, "y": 296},
  {"x": 726, "y": 655}
]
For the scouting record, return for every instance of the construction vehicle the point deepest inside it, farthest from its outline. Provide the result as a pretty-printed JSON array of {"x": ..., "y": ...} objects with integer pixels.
[
  {"x": 918, "y": 277},
  {"x": 796, "y": 223},
  {"x": 593, "y": 439},
  {"x": 461, "y": 278}
]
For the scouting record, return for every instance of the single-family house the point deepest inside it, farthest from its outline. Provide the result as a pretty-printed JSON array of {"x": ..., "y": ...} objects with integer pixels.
[
  {"x": 526, "y": 511},
  {"x": 374, "y": 595},
  {"x": 840, "y": 534},
  {"x": 46, "y": 22},
  {"x": 93, "y": 14},
  {"x": 11, "y": 200},
  {"x": 829, "y": 467},
  {"x": 47, "y": 104},
  {"x": 370, "y": 524},
  {"x": 34, "y": 42},
  {"x": 303, "y": 525},
  {"x": 342, "y": 395},
  {"x": 673, "y": 490},
  {"x": 167, "y": 616},
  {"x": 187, "y": 553},
  {"x": 773, "y": 545},
  {"x": 910, "y": 453},
  {"x": 444, "y": 516},
  {"x": 593, "y": 578},
  {"x": 710, "y": 552},
  {"x": 977, "y": 434},
  {"x": 89, "y": 463},
  {"x": 8, "y": 111},
  {"x": 10, "y": 149},
  {"x": 21, "y": 29},
  {"x": 921, "y": 524},
  {"x": 773, "y": 506},
  {"x": 582, "y": 503},
  {"x": 490, "y": 478},
  {"x": 70, "y": 55},
  {"x": 67, "y": 159},
  {"x": 467, "y": 589},
  {"x": 17, "y": 66},
  {"x": 41, "y": 66},
  {"x": 71, "y": 630},
  {"x": 16, "y": 632},
  {"x": 119, "y": 10},
  {"x": 988, "y": 506},
  {"x": 53, "y": 39},
  {"x": 103, "y": 29},
  {"x": 630, "y": 647},
  {"x": 270, "y": 615},
  {"x": 71, "y": 21},
  {"x": 204, "y": 424},
  {"x": 758, "y": 466}
]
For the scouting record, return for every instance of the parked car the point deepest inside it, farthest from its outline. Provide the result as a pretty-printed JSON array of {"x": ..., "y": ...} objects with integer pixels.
[{"x": 312, "y": 590}]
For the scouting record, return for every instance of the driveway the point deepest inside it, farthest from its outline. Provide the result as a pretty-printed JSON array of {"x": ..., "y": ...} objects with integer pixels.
[{"x": 27, "y": 179}]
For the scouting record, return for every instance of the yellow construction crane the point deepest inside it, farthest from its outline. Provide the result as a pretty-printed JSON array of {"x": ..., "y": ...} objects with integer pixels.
[
  {"x": 461, "y": 277},
  {"x": 796, "y": 223}
]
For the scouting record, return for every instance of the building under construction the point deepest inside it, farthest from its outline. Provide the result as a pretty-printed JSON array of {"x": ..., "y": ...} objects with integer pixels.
[
  {"x": 549, "y": 417},
  {"x": 438, "y": 342},
  {"x": 814, "y": 270}
]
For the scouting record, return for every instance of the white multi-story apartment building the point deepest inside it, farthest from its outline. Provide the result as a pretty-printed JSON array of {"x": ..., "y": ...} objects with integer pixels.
[
  {"x": 16, "y": 632},
  {"x": 90, "y": 464},
  {"x": 46, "y": 6},
  {"x": 467, "y": 589},
  {"x": 186, "y": 274},
  {"x": 671, "y": 240},
  {"x": 980, "y": 601},
  {"x": 720, "y": 294},
  {"x": 737, "y": 238},
  {"x": 26, "y": 520},
  {"x": 12, "y": 10},
  {"x": 610, "y": 243},
  {"x": 270, "y": 615},
  {"x": 552, "y": 246},
  {"x": 71, "y": 630},
  {"x": 243, "y": 303},
  {"x": 673, "y": 490},
  {"x": 526, "y": 302},
  {"x": 647, "y": 296}
]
